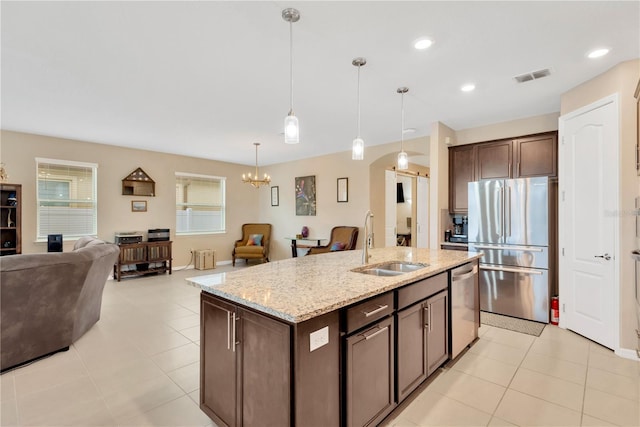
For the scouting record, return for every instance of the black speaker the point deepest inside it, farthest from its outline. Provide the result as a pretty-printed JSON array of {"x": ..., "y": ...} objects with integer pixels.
[{"x": 54, "y": 243}]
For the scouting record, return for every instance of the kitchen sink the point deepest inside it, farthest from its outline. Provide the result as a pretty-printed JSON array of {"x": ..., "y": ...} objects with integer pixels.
[{"x": 394, "y": 268}]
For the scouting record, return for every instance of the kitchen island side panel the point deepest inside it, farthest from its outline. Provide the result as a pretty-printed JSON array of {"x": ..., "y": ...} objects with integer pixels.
[{"x": 317, "y": 371}]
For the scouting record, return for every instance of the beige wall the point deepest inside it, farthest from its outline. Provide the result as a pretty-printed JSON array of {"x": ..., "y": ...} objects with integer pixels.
[
  {"x": 520, "y": 127},
  {"x": 366, "y": 191},
  {"x": 441, "y": 137},
  {"x": 19, "y": 151},
  {"x": 621, "y": 79}
]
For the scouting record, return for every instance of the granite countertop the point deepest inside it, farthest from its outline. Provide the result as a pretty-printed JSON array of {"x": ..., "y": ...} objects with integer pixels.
[{"x": 299, "y": 289}]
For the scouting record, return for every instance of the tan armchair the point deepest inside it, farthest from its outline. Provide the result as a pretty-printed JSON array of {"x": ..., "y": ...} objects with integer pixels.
[
  {"x": 244, "y": 249},
  {"x": 344, "y": 238}
]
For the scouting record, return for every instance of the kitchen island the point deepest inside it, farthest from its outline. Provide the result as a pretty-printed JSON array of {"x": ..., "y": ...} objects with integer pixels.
[{"x": 314, "y": 341}]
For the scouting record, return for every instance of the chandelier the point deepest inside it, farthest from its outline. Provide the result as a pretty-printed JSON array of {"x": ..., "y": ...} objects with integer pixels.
[{"x": 254, "y": 180}]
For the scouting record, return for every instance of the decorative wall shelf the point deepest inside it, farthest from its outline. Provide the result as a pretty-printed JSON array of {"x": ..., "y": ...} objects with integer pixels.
[{"x": 138, "y": 183}]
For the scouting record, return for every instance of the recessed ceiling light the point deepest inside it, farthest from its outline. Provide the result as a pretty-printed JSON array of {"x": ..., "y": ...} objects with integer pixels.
[
  {"x": 468, "y": 87},
  {"x": 409, "y": 130},
  {"x": 598, "y": 53},
  {"x": 422, "y": 44}
]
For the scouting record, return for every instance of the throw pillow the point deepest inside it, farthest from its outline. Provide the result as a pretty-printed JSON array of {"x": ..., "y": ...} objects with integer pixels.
[
  {"x": 254, "y": 240},
  {"x": 337, "y": 246}
]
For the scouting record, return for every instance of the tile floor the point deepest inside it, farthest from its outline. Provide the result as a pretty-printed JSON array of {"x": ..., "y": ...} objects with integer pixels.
[{"x": 139, "y": 366}]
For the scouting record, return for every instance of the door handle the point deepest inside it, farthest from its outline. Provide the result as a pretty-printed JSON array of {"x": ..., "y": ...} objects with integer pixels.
[{"x": 605, "y": 256}]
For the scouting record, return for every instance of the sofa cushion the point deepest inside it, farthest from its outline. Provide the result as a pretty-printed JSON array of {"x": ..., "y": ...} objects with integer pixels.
[{"x": 254, "y": 240}]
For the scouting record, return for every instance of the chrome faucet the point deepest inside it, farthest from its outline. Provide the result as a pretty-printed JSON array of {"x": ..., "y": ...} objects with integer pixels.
[{"x": 368, "y": 236}]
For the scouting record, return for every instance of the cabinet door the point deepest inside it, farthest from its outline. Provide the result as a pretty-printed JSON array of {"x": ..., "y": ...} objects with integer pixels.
[
  {"x": 218, "y": 366},
  {"x": 437, "y": 331},
  {"x": 494, "y": 160},
  {"x": 411, "y": 349},
  {"x": 461, "y": 172},
  {"x": 536, "y": 156},
  {"x": 370, "y": 374},
  {"x": 266, "y": 371}
]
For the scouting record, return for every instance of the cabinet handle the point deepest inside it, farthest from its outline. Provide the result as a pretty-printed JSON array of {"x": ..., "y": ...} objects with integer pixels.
[
  {"x": 427, "y": 317},
  {"x": 377, "y": 310},
  {"x": 378, "y": 332},
  {"x": 234, "y": 332},
  {"x": 228, "y": 330}
]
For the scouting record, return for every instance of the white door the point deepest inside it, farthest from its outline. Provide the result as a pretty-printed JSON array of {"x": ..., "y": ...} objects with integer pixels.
[
  {"x": 588, "y": 200},
  {"x": 422, "y": 212},
  {"x": 390, "y": 214}
]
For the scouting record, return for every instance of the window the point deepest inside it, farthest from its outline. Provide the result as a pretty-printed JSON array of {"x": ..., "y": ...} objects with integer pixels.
[
  {"x": 200, "y": 203},
  {"x": 66, "y": 198}
]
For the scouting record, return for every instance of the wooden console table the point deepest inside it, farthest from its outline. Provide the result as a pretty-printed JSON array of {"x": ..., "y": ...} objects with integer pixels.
[{"x": 147, "y": 257}]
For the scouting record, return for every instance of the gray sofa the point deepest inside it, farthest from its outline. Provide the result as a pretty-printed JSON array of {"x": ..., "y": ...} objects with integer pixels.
[{"x": 49, "y": 300}]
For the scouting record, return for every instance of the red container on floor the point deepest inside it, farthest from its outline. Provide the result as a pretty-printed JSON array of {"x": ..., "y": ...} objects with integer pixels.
[{"x": 555, "y": 310}]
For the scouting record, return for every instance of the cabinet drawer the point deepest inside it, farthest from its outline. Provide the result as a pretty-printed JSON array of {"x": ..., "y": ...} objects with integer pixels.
[
  {"x": 420, "y": 290},
  {"x": 369, "y": 311}
]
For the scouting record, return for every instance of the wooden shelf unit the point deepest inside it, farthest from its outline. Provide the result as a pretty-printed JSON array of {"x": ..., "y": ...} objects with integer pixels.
[
  {"x": 147, "y": 257},
  {"x": 10, "y": 219}
]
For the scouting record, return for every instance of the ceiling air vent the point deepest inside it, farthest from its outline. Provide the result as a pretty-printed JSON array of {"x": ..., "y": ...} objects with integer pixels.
[{"x": 533, "y": 75}]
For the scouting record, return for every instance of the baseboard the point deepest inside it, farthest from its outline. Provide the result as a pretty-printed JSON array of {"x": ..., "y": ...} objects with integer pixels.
[{"x": 627, "y": 353}]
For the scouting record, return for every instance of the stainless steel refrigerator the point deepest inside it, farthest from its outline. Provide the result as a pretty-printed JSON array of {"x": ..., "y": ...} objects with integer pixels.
[{"x": 510, "y": 220}]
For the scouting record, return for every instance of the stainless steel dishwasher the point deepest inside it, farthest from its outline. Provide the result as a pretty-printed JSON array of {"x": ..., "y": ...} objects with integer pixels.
[{"x": 465, "y": 307}]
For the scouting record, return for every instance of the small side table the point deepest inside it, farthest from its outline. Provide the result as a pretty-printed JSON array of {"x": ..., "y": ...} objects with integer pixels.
[{"x": 294, "y": 244}]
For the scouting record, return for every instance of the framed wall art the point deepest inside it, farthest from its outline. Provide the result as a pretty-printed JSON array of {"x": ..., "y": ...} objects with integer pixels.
[
  {"x": 275, "y": 196},
  {"x": 138, "y": 206},
  {"x": 305, "y": 187},
  {"x": 343, "y": 190}
]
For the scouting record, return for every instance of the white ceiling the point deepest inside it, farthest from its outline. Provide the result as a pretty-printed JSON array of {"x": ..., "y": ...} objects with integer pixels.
[{"x": 207, "y": 79}]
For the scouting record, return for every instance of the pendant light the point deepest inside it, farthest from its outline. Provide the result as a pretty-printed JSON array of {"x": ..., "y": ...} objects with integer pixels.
[
  {"x": 357, "y": 151},
  {"x": 291, "y": 127},
  {"x": 403, "y": 160},
  {"x": 255, "y": 180}
]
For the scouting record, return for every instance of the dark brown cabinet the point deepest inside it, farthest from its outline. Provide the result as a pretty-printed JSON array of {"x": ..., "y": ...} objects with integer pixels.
[
  {"x": 10, "y": 219},
  {"x": 370, "y": 374},
  {"x": 494, "y": 160},
  {"x": 423, "y": 334},
  {"x": 521, "y": 157},
  {"x": 437, "y": 331},
  {"x": 245, "y": 366},
  {"x": 536, "y": 156},
  {"x": 461, "y": 172}
]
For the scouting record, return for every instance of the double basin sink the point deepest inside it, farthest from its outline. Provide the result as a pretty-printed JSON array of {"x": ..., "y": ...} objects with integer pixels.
[{"x": 393, "y": 268}]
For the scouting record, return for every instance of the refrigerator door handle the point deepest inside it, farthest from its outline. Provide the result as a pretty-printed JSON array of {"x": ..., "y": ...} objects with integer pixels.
[
  {"x": 512, "y": 270},
  {"x": 509, "y": 248},
  {"x": 500, "y": 208},
  {"x": 507, "y": 217}
]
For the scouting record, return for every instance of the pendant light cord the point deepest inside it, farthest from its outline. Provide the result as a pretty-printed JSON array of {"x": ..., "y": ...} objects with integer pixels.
[
  {"x": 291, "y": 64},
  {"x": 256, "y": 160},
  {"x": 402, "y": 122},
  {"x": 359, "y": 100}
]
